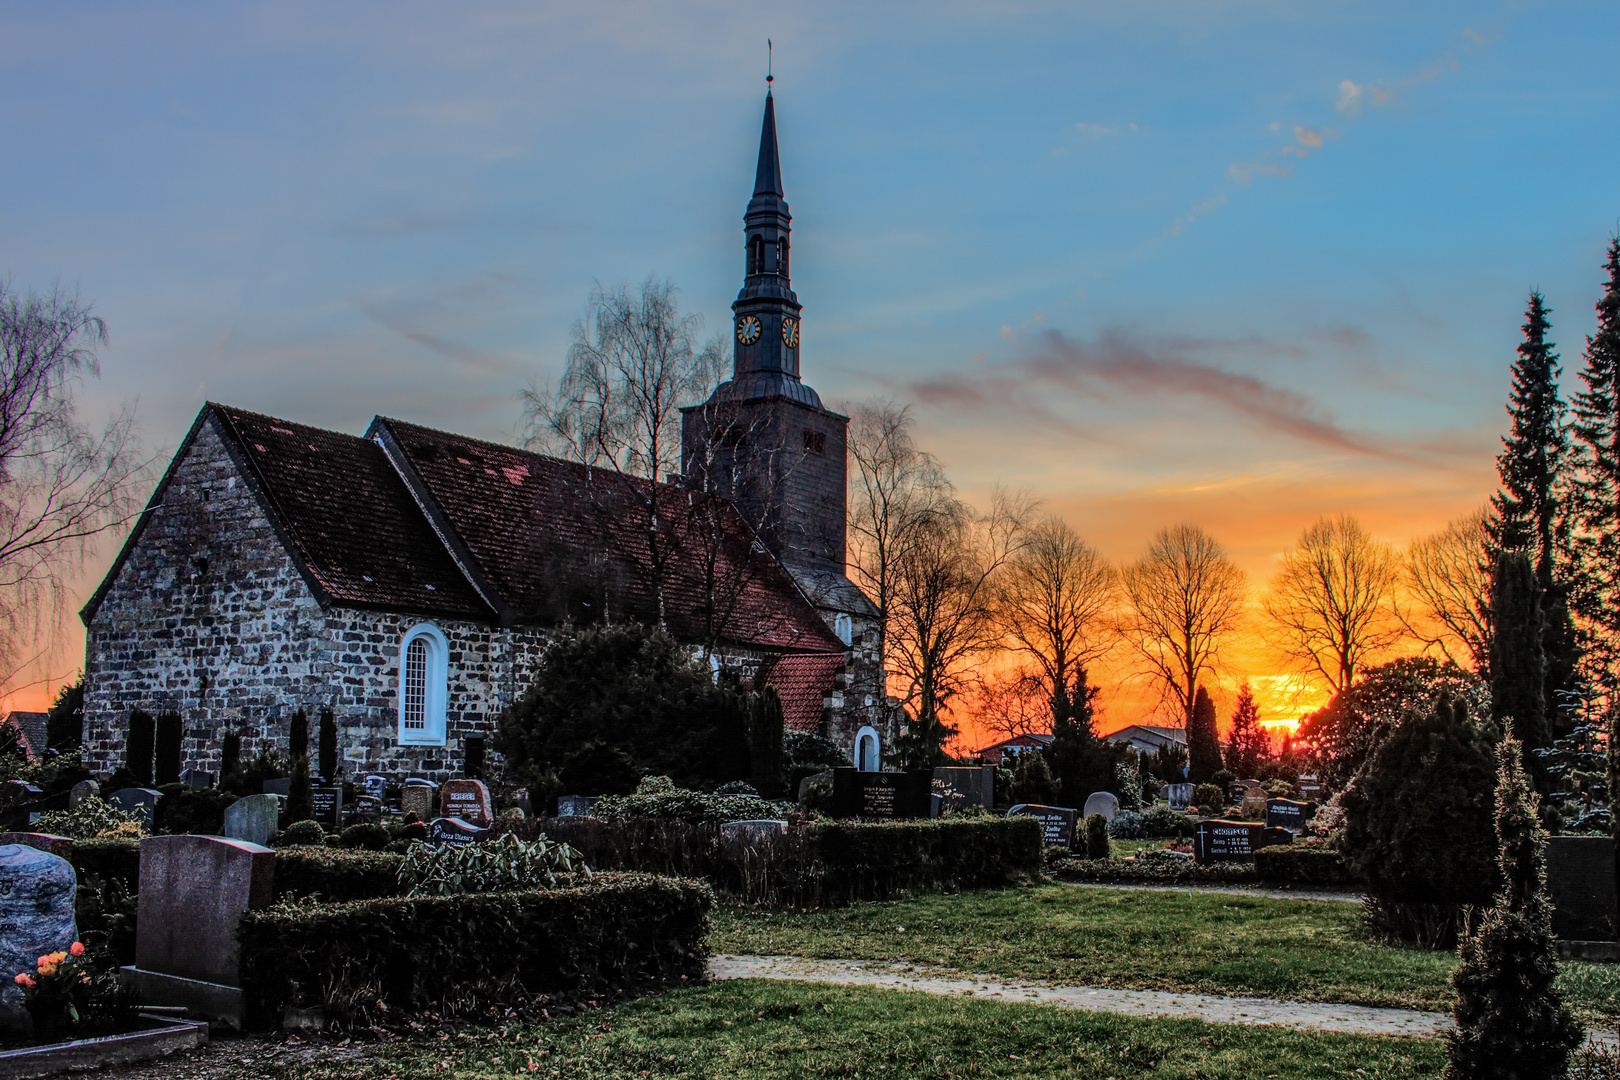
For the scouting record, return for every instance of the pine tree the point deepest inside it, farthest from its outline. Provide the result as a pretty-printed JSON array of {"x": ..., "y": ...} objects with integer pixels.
[
  {"x": 1518, "y": 664},
  {"x": 230, "y": 755},
  {"x": 1081, "y": 763},
  {"x": 765, "y": 742},
  {"x": 1511, "y": 1021},
  {"x": 298, "y": 735},
  {"x": 300, "y": 797},
  {"x": 166, "y": 746},
  {"x": 328, "y": 746},
  {"x": 1528, "y": 511},
  {"x": 1596, "y": 587},
  {"x": 1247, "y": 744},
  {"x": 1203, "y": 739}
]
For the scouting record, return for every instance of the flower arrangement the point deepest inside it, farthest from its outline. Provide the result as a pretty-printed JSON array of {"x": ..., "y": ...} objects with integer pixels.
[{"x": 58, "y": 989}]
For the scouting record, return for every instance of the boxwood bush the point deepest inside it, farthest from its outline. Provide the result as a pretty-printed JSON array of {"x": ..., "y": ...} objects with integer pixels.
[
  {"x": 1163, "y": 823},
  {"x": 617, "y": 935},
  {"x": 335, "y": 874},
  {"x": 1302, "y": 864}
]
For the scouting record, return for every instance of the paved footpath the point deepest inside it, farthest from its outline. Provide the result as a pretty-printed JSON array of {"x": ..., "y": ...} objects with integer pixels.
[{"x": 1301, "y": 1015}]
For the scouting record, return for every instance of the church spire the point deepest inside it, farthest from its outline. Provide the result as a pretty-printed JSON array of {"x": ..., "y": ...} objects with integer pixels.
[
  {"x": 768, "y": 176},
  {"x": 766, "y": 350}
]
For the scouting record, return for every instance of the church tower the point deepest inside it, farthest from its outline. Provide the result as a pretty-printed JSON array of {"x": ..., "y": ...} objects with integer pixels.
[{"x": 763, "y": 439}]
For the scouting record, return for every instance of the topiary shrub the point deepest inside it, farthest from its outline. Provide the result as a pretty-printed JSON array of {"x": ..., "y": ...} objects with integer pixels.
[
  {"x": 1418, "y": 826},
  {"x": 366, "y": 836},
  {"x": 230, "y": 755},
  {"x": 1097, "y": 837},
  {"x": 300, "y": 795},
  {"x": 1164, "y": 823},
  {"x": 416, "y": 830},
  {"x": 1127, "y": 825},
  {"x": 302, "y": 833},
  {"x": 166, "y": 743},
  {"x": 333, "y": 874}
]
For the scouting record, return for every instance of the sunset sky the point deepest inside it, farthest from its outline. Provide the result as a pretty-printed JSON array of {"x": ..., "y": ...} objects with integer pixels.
[{"x": 1241, "y": 264}]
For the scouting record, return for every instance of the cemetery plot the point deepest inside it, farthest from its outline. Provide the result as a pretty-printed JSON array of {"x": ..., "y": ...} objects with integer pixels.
[
  {"x": 1057, "y": 822},
  {"x": 881, "y": 794}
]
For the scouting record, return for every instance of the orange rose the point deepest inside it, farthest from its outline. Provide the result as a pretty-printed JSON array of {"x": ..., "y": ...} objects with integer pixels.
[
  {"x": 77, "y": 949},
  {"x": 24, "y": 981}
]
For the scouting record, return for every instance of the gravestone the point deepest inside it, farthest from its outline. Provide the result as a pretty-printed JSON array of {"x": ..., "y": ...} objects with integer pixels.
[
  {"x": 1581, "y": 886},
  {"x": 13, "y": 792},
  {"x": 1234, "y": 841},
  {"x": 136, "y": 800},
  {"x": 367, "y": 810},
  {"x": 752, "y": 833},
  {"x": 252, "y": 819},
  {"x": 455, "y": 832},
  {"x": 976, "y": 784},
  {"x": 1105, "y": 803},
  {"x": 60, "y": 846},
  {"x": 416, "y": 797},
  {"x": 377, "y": 787},
  {"x": 574, "y": 805},
  {"x": 468, "y": 800},
  {"x": 36, "y": 917},
  {"x": 194, "y": 890},
  {"x": 196, "y": 779},
  {"x": 328, "y": 806},
  {"x": 84, "y": 789},
  {"x": 1057, "y": 822},
  {"x": 1179, "y": 796},
  {"x": 1254, "y": 803},
  {"x": 1286, "y": 814},
  {"x": 281, "y": 785},
  {"x": 881, "y": 794}
]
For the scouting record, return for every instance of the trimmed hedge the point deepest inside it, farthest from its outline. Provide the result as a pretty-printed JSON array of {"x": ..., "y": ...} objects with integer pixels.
[
  {"x": 110, "y": 860},
  {"x": 619, "y": 934},
  {"x": 336, "y": 874},
  {"x": 1297, "y": 864},
  {"x": 813, "y": 864},
  {"x": 1151, "y": 872}
]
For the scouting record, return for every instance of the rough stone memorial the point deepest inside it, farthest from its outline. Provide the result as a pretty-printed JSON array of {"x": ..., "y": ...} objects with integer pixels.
[
  {"x": 194, "y": 890},
  {"x": 36, "y": 917},
  {"x": 416, "y": 797},
  {"x": 881, "y": 794},
  {"x": 252, "y": 819},
  {"x": 1105, "y": 803},
  {"x": 136, "y": 800},
  {"x": 84, "y": 789},
  {"x": 468, "y": 800},
  {"x": 1057, "y": 822},
  {"x": 454, "y": 831}
]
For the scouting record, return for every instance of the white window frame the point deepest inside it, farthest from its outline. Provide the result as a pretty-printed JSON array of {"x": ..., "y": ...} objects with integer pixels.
[
  {"x": 868, "y": 732},
  {"x": 436, "y": 690},
  {"x": 844, "y": 627}
]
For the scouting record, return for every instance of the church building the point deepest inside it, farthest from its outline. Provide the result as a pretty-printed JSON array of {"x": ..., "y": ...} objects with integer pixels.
[{"x": 408, "y": 579}]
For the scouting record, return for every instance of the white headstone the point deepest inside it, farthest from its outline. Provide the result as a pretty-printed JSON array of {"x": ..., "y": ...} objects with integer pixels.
[{"x": 1101, "y": 802}]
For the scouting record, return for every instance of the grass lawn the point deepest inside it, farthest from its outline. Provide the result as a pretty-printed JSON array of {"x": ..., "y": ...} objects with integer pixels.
[
  {"x": 1137, "y": 939},
  {"x": 753, "y": 1028}
]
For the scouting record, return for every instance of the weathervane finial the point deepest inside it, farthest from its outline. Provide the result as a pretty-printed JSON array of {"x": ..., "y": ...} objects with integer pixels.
[{"x": 769, "y": 78}]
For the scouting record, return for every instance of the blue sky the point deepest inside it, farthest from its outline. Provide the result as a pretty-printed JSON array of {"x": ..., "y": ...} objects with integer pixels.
[{"x": 1242, "y": 263}]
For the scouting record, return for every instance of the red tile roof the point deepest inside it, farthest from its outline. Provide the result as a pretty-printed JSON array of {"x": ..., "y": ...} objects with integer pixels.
[{"x": 802, "y": 682}]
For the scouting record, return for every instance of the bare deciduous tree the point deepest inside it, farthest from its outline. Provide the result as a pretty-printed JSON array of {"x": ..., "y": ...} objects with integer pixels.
[
  {"x": 1447, "y": 582},
  {"x": 1183, "y": 599},
  {"x": 896, "y": 489},
  {"x": 1012, "y": 703},
  {"x": 61, "y": 484},
  {"x": 942, "y": 612},
  {"x": 1331, "y": 603},
  {"x": 1050, "y": 603},
  {"x": 634, "y": 362}
]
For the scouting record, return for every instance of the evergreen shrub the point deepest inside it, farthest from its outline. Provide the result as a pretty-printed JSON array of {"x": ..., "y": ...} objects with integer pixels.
[
  {"x": 110, "y": 858},
  {"x": 1164, "y": 823},
  {"x": 658, "y": 797},
  {"x": 365, "y": 836},
  {"x": 1209, "y": 796},
  {"x": 300, "y": 793},
  {"x": 1097, "y": 837},
  {"x": 302, "y": 833},
  {"x": 1127, "y": 825},
  {"x": 166, "y": 749},
  {"x": 336, "y": 874},
  {"x": 181, "y": 810},
  {"x": 616, "y": 935},
  {"x": 1302, "y": 864},
  {"x": 1418, "y": 825},
  {"x": 500, "y": 865},
  {"x": 138, "y": 745}
]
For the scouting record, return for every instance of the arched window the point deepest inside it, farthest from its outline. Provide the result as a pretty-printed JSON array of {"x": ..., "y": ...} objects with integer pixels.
[
  {"x": 868, "y": 750},
  {"x": 781, "y": 257},
  {"x": 423, "y": 674},
  {"x": 844, "y": 627},
  {"x": 756, "y": 256}
]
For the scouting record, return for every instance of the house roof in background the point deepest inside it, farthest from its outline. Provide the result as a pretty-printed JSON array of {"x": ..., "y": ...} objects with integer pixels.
[
  {"x": 802, "y": 681},
  {"x": 32, "y": 731}
]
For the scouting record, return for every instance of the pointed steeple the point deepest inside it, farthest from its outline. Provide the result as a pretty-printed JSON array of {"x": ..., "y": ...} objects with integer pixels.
[{"x": 768, "y": 176}]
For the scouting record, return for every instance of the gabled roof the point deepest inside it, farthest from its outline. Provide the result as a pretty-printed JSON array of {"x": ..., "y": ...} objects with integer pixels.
[
  {"x": 551, "y": 540},
  {"x": 802, "y": 681},
  {"x": 32, "y": 729}
]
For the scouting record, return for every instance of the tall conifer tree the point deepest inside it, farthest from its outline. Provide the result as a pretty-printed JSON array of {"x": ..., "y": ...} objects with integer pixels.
[
  {"x": 1247, "y": 744},
  {"x": 1528, "y": 511},
  {"x": 1203, "y": 739},
  {"x": 1597, "y": 489},
  {"x": 1518, "y": 664}
]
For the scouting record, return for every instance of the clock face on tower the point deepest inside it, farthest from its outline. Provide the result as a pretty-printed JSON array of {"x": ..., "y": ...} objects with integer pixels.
[
  {"x": 748, "y": 330},
  {"x": 790, "y": 333}
]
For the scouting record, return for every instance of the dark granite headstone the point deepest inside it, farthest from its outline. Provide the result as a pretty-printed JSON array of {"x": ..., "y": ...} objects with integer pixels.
[
  {"x": 136, "y": 800},
  {"x": 367, "y": 810},
  {"x": 196, "y": 779},
  {"x": 881, "y": 794},
  {"x": 194, "y": 890},
  {"x": 1057, "y": 822},
  {"x": 377, "y": 787},
  {"x": 1581, "y": 885},
  {"x": 1286, "y": 814},
  {"x": 450, "y": 830},
  {"x": 36, "y": 917},
  {"x": 976, "y": 784},
  {"x": 1179, "y": 796},
  {"x": 1234, "y": 841},
  {"x": 468, "y": 800},
  {"x": 281, "y": 785},
  {"x": 575, "y": 805},
  {"x": 328, "y": 805}
]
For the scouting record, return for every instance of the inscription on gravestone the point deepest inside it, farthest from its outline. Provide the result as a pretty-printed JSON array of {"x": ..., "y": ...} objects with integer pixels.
[
  {"x": 468, "y": 800},
  {"x": 377, "y": 787},
  {"x": 1285, "y": 814},
  {"x": 328, "y": 806},
  {"x": 368, "y": 811},
  {"x": 881, "y": 794},
  {"x": 1234, "y": 841},
  {"x": 1057, "y": 822},
  {"x": 454, "y": 831}
]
